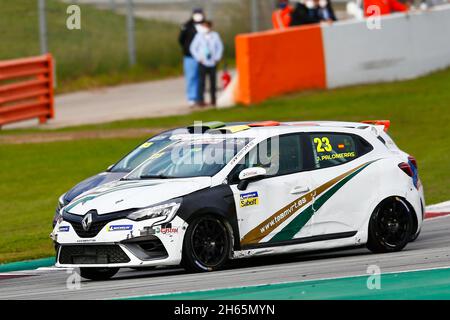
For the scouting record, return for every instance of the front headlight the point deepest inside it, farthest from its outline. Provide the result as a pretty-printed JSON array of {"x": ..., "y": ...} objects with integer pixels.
[
  {"x": 165, "y": 210},
  {"x": 61, "y": 204}
]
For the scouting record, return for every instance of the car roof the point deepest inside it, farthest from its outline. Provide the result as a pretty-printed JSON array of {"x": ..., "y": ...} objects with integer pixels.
[
  {"x": 298, "y": 126},
  {"x": 253, "y": 129}
]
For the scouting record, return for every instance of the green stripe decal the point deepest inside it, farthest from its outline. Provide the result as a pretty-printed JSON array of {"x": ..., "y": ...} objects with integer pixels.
[
  {"x": 82, "y": 201},
  {"x": 288, "y": 232}
]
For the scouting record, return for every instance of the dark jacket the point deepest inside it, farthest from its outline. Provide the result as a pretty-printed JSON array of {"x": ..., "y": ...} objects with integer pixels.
[
  {"x": 187, "y": 34},
  {"x": 329, "y": 8},
  {"x": 302, "y": 15}
]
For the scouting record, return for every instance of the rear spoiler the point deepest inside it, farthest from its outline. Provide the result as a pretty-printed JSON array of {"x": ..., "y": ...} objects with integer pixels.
[{"x": 385, "y": 123}]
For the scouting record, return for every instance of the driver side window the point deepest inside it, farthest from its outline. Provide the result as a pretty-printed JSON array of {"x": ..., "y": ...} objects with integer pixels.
[{"x": 280, "y": 155}]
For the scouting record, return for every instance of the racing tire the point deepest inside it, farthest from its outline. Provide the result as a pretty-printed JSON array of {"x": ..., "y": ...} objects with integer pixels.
[
  {"x": 98, "y": 274},
  {"x": 390, "y": 226},
  {"x": 206, "y": 245}
]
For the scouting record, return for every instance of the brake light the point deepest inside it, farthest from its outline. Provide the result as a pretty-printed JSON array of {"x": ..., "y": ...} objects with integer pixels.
[
  {"x": 406, "y": 168},
  {"x": 385, "y": 123},
  {"x": 413, "y": 161}
]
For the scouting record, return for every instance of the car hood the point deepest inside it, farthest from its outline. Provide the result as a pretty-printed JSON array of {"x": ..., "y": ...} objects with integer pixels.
[
  {"x": 125, "y": 195},
  {"x": 91, "y": 183}
]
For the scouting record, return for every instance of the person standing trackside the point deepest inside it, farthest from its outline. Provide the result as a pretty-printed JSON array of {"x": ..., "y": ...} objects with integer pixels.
[
  {"x": 207, "y": 49},
  {"x": 324, "y": 10},
  {"x": 190, "y": 65},
  {"x": 303, "y": 13},
  {"x": 281, "y": 18}
]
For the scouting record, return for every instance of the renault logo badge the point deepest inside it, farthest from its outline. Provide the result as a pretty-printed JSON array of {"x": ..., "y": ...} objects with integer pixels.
[{"x": 87, "y": 221}]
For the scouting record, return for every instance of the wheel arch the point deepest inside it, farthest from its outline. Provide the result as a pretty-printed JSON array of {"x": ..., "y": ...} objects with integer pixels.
[
  {"x": 224, "y": 217},
  {"x": 407, "y": 203}
]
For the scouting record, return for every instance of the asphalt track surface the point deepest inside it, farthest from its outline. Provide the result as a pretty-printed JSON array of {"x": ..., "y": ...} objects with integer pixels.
[{"x": 430, "y": 250}]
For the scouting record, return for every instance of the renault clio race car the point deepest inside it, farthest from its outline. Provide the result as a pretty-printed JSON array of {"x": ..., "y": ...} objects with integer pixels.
[{"x": 232, "y": 192}]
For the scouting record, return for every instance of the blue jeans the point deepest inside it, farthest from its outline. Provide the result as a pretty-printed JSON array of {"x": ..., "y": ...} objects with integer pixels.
[{"x": 191, "y": 74}]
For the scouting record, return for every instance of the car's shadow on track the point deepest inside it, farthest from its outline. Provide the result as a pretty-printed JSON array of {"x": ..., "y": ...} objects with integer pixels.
[
  {"x": 128, "y": 274},
  {"x": 297, "y": 257}
]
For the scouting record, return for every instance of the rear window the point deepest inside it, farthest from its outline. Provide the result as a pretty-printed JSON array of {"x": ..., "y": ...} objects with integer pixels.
[{"x": 333, "y": 149}]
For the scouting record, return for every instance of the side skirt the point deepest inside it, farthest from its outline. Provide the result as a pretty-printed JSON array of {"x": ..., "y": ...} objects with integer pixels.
[{"x": 331, "y": 236}]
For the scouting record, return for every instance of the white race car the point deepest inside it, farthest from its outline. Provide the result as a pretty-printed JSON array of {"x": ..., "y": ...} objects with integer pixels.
[{"x": 247, "y": 190}]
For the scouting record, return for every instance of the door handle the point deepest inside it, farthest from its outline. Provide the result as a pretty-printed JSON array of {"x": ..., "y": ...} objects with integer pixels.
[{"x": 300, "y": 189}]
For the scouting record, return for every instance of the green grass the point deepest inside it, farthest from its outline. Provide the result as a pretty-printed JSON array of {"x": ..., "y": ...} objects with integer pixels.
[{"x": 34, "y": 175}]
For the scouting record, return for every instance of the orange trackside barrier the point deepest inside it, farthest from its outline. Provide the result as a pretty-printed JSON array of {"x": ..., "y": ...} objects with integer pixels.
[
  {"x": 26, "y": 89},
  {"x": 275, "y": 62}
]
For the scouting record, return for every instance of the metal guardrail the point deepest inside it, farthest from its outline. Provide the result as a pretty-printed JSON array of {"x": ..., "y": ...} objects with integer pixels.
[{"x": 26, "y": 89}]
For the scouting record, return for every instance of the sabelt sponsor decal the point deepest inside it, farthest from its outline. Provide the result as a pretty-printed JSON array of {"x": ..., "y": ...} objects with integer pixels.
[
  {"x": 275, "y": 220},
  {"x": 249, "y": 199}
]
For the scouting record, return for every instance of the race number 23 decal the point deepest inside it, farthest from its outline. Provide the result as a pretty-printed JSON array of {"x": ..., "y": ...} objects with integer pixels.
[{"x": 323, "y": 144}]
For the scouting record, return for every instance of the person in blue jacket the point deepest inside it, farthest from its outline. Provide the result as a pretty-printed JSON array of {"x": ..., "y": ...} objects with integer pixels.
[
  {"x": 190, "y": 65},
  {"x": 207, "y": 49}
]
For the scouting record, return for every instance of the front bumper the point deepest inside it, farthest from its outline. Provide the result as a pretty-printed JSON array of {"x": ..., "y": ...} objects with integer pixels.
[{"x": 120, "y": 243}]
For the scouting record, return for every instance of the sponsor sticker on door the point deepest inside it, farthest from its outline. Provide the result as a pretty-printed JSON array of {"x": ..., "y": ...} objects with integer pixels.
[{"x": 249, "y": 199}]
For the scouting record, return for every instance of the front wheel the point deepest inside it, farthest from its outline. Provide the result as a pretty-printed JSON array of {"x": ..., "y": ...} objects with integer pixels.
[
  {"x": 206, "y": 245},
  {"x": 98, "y": 274},
  {"x": 390, "y": 227}
]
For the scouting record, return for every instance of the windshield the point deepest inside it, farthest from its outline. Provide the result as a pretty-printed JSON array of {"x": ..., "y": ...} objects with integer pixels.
[
  {"x": 190, "y": 157},
  {"x": 142, "y": 153}
]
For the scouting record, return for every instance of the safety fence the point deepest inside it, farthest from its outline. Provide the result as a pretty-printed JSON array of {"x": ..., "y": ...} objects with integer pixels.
[
  {"x": 404, "y": 46},
  {"x": 26, "y": 89},
  {"x": 133, "y": 39}
]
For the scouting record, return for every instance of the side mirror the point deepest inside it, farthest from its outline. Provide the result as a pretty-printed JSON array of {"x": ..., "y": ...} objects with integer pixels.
[{"x": 250, "y": 174}]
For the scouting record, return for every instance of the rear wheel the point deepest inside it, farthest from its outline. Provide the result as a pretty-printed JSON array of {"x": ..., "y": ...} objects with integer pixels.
[
  {"x": 206, "y": 245},
  {"x": 390, "y": 226},
  {"x": 98, "y": 274}
]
